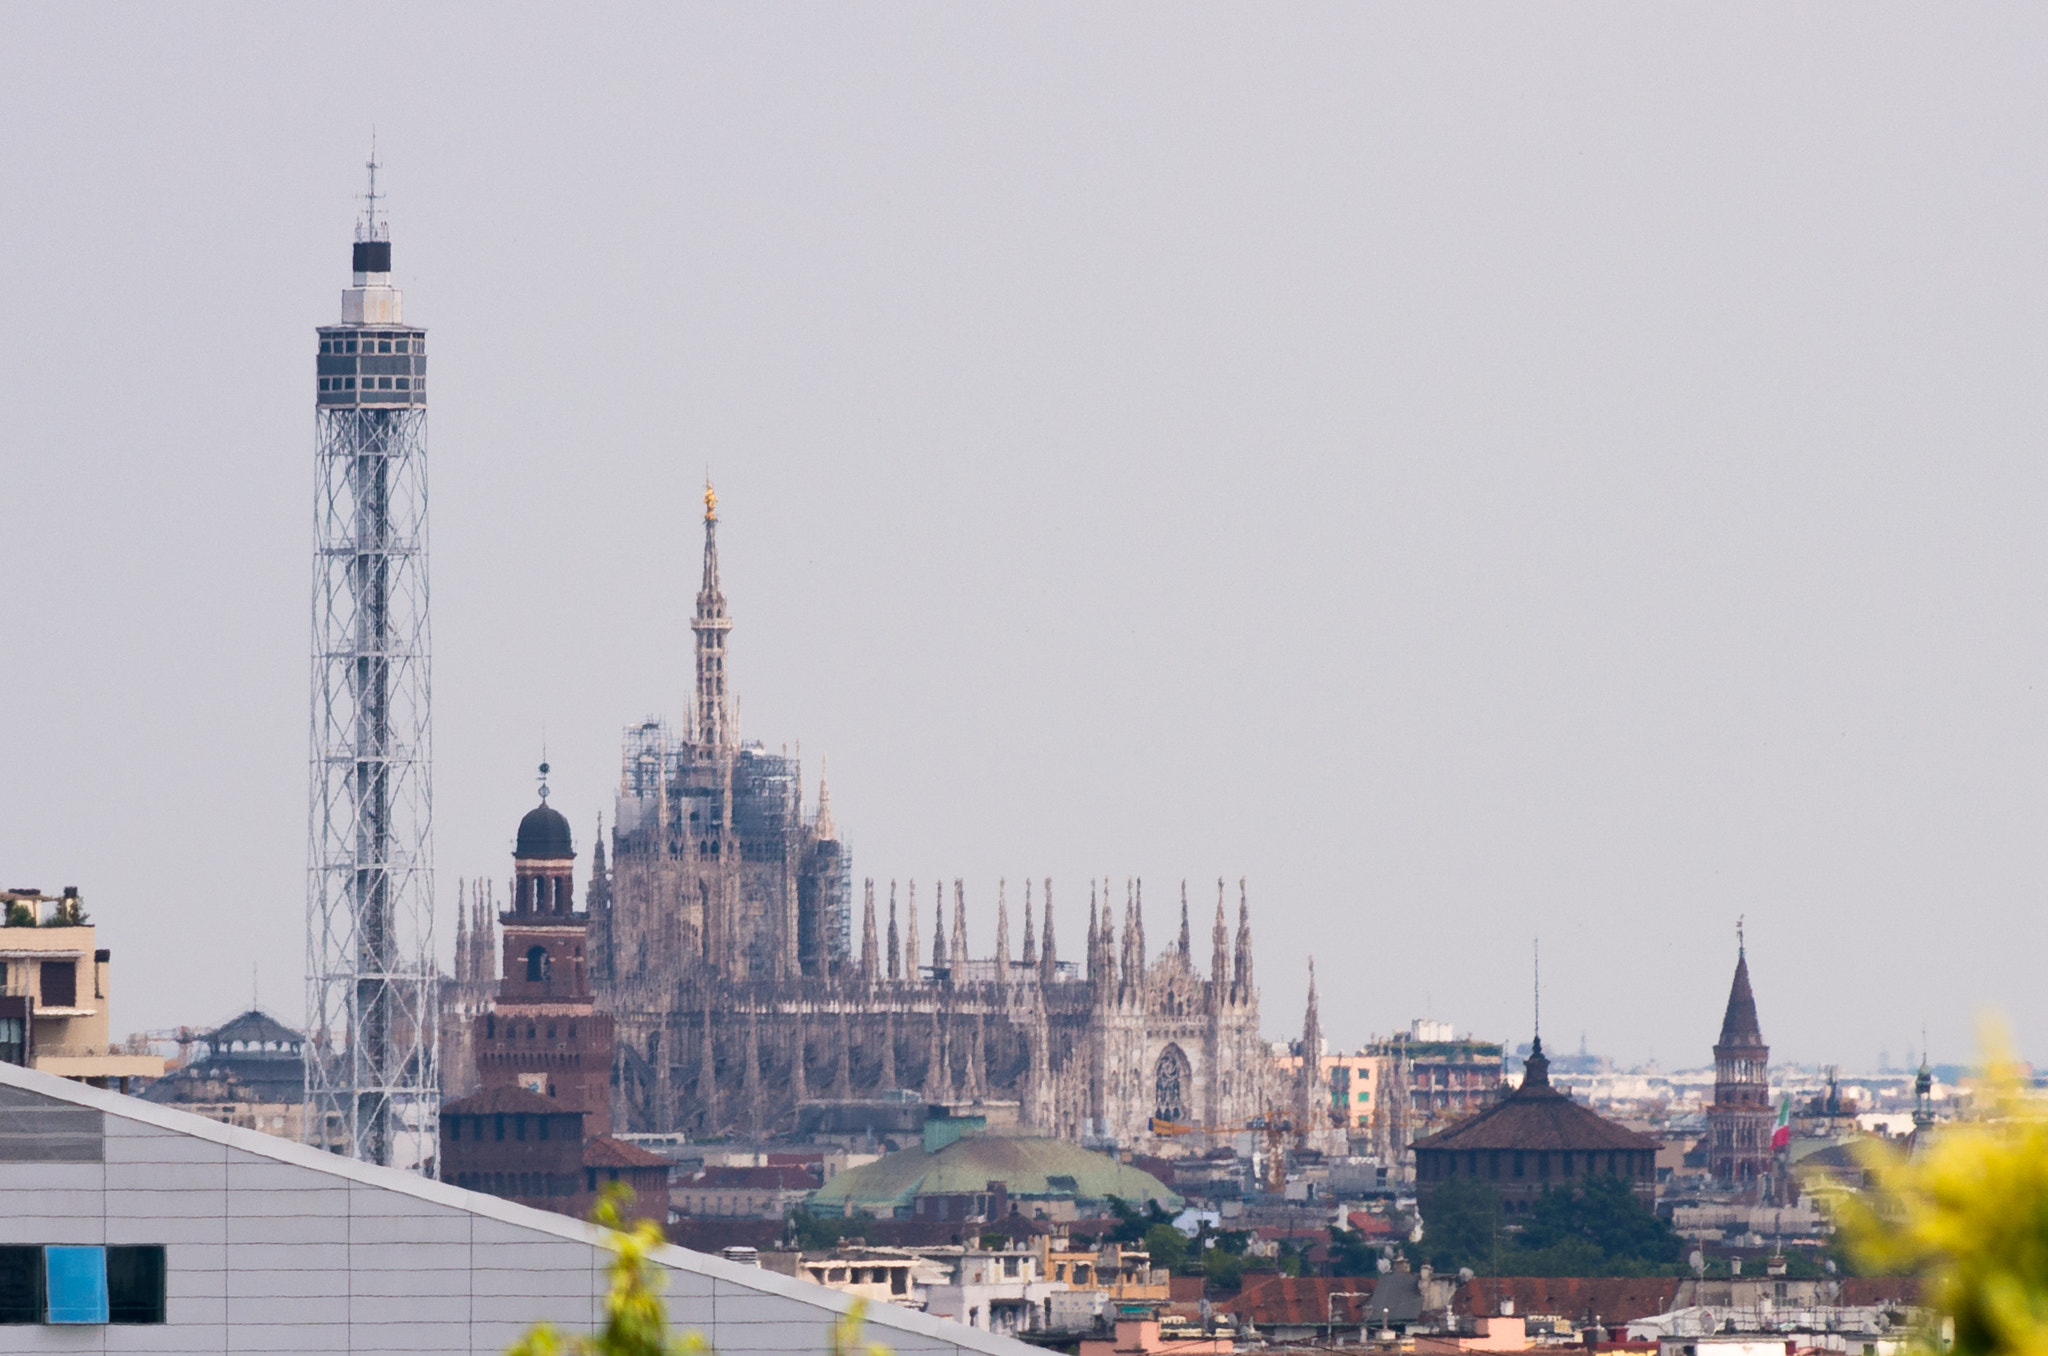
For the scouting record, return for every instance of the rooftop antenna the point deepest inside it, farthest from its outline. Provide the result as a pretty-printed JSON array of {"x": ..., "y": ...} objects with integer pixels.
[
  {"x": 368, "y": 230},
  {"x": 1536, "y": 972}
]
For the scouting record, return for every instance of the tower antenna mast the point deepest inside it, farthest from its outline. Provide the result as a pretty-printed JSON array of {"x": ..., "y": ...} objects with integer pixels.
[
  {"x": 368, "y": 230},
  {"x": 372, "y": 1090}
]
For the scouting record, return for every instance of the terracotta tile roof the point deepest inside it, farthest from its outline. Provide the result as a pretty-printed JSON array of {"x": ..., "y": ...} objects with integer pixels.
[
  {"x": 606, "y": 1152},
  {"x": 1537, "y": 1116},
  {"x": 506, "y": 1102},
  {"x": 1371, "y": 1225},
  {"x": 1612, "y": 1299},
  {"x": 1860, "y": 1290},
  {"x": 1302, "y": 1299}
]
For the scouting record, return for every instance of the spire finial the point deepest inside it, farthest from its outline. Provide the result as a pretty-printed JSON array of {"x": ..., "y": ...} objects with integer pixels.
[
  {"x": 543, "y": 777},
  {"x": 710, "y": 498},
  {"x": 1536, "y": 973},
  {"x": 1741, "y": 949}
]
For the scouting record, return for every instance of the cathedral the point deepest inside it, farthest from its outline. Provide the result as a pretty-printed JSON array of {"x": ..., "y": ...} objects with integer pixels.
[{"x": 722, "y": 944}]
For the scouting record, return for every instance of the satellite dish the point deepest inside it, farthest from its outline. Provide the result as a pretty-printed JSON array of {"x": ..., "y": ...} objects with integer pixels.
[
  {"x": 1386, "y": 1265},
  {"x": 1698, "y": 1260}
]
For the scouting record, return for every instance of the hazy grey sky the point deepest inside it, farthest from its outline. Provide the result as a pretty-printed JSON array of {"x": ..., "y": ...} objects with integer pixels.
[{"x": 1479, "y": 472}]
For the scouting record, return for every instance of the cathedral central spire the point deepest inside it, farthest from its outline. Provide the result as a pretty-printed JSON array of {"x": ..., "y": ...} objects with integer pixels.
[{"x": 711, "y": 719}]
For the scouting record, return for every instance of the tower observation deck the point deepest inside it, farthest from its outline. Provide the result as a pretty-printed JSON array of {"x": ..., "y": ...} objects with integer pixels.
[{"x": 369, "y": 902}]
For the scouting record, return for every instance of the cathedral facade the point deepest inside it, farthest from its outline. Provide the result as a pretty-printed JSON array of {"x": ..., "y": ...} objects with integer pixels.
[{"x": 723, "y": 944}]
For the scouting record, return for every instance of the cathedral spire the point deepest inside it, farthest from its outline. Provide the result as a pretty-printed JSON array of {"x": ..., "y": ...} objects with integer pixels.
[
  {"x": 1219, "y": 956},
  {"x": 1241, "y": 977},
  {"x": 1187, "y": 945},
  {"x": 870, "y": 961},
  {"x": 895, "y": 951},
  {"x": 912, "y": 957},
  {"x": 711, "y": 720},
  {"x": 1138, "y": 947},
  {"x": 826, "y": 830},
  {"x": 1310, "y": 1086},
  {"x": 597, "y": 897},
  {"x": 959, "y": 952},
  {"x": 462, "y": 960},
  {"x": 940, "y": 955},
  {"x": 1048, "y": 958},
  {"x": 1030, "y": 961},
  {"x": 1002, "y": 931}
]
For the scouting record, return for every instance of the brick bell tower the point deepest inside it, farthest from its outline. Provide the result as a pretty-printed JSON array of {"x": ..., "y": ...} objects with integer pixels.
[
  {"x": 545, "y": 1034},
  {"x": 1739, "y": 1122}
]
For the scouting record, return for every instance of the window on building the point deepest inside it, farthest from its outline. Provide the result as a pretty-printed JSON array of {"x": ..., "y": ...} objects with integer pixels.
[
  {"x": 1518, "y": 1162},
  {"x": 60, "y": 984},
  {"x": 536, "y": 965},
  {"x": 135, "y": 1283},
  {"x": 21, "y": 1285},
  {"x": 13, "y": 1040}
]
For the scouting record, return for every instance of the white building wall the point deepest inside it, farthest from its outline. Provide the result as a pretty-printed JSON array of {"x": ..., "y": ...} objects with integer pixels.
[{"x": 275, "y": 1247}]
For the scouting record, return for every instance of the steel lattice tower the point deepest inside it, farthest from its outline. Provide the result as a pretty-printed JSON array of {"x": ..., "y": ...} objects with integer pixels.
[{"x": 371, "y": 1086}]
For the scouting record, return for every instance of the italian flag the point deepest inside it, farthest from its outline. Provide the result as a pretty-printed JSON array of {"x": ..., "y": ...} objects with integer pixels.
[{"x": 1781, "y": 1134}]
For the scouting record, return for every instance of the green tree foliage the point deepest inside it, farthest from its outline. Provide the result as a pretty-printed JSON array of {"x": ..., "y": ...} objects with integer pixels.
[
  {"x": 1463, "y": 1226},
  {"x": 1132, "y": 1224},
  {"x": 69, "y": 913},
  {"x": 1597, "y": 1229},
  {"x": 817, "y": 1232},
  {"x": 1969, "y": 1212},
  {"x": 636, "y": 1320},
  {"x": 1350, "y": 1254},
  {"x": 1225, "y": 1270},
  {"x": 20, "y": 915},
  {"x": 1168, "y": 1246}
]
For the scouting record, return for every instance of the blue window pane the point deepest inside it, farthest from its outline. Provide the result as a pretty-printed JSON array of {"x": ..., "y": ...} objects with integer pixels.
[{"x": 77, "y": 1284}]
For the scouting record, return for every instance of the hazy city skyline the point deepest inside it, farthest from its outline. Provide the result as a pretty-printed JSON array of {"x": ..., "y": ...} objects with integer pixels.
[{"x": 1477, "y": 474}]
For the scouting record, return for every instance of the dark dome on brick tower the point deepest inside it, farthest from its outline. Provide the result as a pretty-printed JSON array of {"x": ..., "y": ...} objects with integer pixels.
[{"x": 544, "y": 832}]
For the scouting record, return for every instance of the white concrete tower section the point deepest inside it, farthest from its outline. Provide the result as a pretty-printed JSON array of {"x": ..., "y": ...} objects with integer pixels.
[{"x": 370, "y": 1001}]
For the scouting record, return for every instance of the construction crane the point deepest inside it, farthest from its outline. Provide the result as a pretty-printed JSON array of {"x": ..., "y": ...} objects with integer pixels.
[{"x": 1277, "y": 1127}]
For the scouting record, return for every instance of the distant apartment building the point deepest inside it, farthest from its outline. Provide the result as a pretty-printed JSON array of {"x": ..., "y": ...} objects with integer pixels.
[
  {"x": 56, "y": 989},
  {"x": 1396, "y": 1089},
  {"x": 1432, "y": 1078},
  {"x": 995, "y": 1291},
  {"x": 1355, "y": 1084}
]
